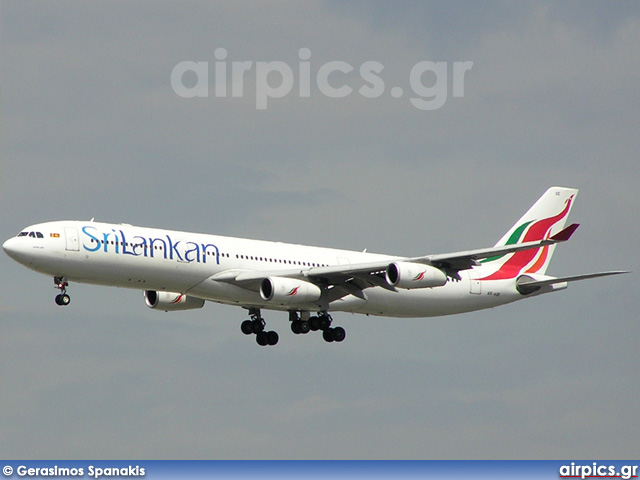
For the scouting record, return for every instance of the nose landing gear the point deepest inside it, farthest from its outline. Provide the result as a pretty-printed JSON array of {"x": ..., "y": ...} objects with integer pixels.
[{"x": 61, "y": 284}]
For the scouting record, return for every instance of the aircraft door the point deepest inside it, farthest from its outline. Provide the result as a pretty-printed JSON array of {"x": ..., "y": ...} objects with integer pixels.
[
  {"x": 344, "y": 261},
  {"x": 71, "y": 237},
  {"x": 475, "y": 286}
]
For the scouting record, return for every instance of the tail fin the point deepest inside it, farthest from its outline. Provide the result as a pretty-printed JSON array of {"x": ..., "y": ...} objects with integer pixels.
[{"x": 543, "y": 220}]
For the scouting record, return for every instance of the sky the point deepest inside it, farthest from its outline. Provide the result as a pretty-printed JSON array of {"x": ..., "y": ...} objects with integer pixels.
[{"x": 91, "y": 126}]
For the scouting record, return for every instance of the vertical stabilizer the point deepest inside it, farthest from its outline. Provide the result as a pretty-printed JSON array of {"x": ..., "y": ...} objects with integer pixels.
[{"x": 543, "y": 220}]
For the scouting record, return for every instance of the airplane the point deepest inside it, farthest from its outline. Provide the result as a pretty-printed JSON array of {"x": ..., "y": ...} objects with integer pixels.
[{"x": 180, "y": 270}]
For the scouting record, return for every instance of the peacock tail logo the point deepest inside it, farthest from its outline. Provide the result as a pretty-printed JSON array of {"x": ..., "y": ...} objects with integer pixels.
[
  {"x": 534, "y": 230},
  {"x": 178, "y": 299},
  {"x": 419, "y": 277},
  {"x": 293, "y": 292}
]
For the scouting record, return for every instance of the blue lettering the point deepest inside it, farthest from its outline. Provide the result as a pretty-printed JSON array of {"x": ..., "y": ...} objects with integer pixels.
[
  {"x": 152, "y": 242},
  {"x": 142, "y": 244},
  {"x": 173, "y": 248},
  {"x": 216, "y": 253},
  {"x": 181, "y": 250},
  {"x": 117, "y": 241},
  {"x": 124, "y": 245},
  {"x": 106, "y": 241},
  {"x": 95, "y": 239},
  {"x": 195, "y": 249}
]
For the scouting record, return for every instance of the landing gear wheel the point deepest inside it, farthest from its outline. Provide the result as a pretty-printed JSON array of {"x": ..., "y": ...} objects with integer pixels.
[
  {"x": 327, "y": 335},
  {"x": 334, "y": 334},
  {"x": 247, "y": 327},
  {"x": 295, "y": 327},
  {"x": 267, "y": 338},
  {"x": 304, "y": 327},
  {"x": 325, "y": 322},
  {"x": 314, "y": 322},
  {"x": 257, "y": 325},
  {"x": 272, "y": 338},
  {"x": 338, "y": 334},
  {"x": 63, "y": 299}
]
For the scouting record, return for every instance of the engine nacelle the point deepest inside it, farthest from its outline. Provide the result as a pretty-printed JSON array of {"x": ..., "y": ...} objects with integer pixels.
[
  {"x": 414, "y": 275},
  {"x": 170, "y": 301},
  {"x": 287, "y": 291}
]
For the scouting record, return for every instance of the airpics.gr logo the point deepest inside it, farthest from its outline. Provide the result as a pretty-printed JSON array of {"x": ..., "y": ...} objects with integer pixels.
[
  {"x": 152, "y": 247},
  {"x": 428, "y": 80}
]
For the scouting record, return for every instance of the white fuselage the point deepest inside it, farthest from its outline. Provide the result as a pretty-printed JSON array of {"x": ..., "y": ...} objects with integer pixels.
[{"x": 164, "y": 260}]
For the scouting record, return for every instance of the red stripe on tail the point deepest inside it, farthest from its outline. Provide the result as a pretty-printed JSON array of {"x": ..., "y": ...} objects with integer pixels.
[{"x": 537, "y": 231}]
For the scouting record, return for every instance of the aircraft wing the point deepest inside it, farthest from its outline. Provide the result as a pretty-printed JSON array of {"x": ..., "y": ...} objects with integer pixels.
[{"x": 356, "y": 277}]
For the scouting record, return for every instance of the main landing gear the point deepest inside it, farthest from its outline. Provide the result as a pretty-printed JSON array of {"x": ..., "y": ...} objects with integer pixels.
[
  {"x": 320, "y": 322},
  {"x": 61, "y": 284},
  {"x": 255, "y": 325},
  {"x": 300, "y": 326}
]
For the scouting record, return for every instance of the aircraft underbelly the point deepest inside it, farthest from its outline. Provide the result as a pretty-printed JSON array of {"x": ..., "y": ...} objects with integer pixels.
[
  {"x": 120, "y": 271},
  {"x": 428, "y": 302}
]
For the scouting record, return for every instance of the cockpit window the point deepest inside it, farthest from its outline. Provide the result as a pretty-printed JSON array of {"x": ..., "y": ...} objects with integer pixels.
[{"x": 31, "y": 234}]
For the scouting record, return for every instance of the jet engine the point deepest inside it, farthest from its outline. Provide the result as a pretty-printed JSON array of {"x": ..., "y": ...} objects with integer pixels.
[
  {"x": 170, "y": 301},
  {"x": 287, "y": 291},
  {"x": 414, "y": 275}
]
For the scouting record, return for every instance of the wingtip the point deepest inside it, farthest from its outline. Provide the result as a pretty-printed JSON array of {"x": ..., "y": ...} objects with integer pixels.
[{"x": 565, "y": 234}]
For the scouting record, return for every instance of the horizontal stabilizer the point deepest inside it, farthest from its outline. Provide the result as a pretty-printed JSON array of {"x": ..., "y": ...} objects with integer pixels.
[{"x": 527, "y": 285}]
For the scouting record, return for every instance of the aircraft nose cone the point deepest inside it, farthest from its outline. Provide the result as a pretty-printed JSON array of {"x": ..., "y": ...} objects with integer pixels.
[
  {"x": 11, "y": 247},
  {"x": 6, "y": 246}
]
